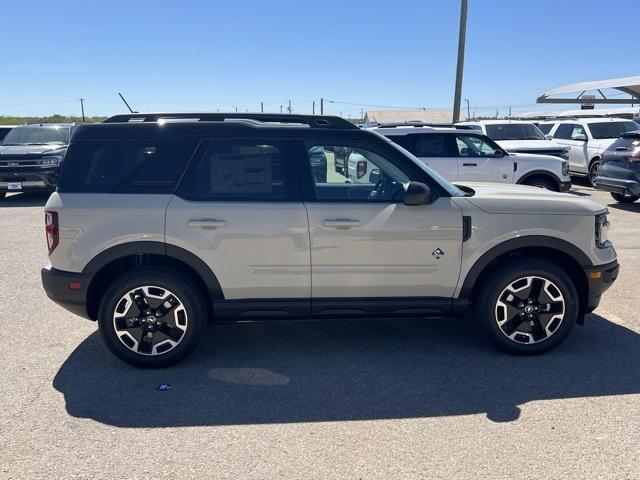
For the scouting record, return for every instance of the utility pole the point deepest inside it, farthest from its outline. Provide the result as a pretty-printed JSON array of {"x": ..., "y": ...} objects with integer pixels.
[
  {"x": 261, "y": 107},
  {"x": 460, "y": 67},
  {"x": 321, "y": 106},
  {"x": 280, "y": 108},
  {"x": 289, "y": 107},
  {"x": 82, "y": 108},
  {"x": 314, "y": 107},
  {"x": 509, "y": 110},
  {"x": 236, "y": 109},
  {"x": 468, "y": 108}
]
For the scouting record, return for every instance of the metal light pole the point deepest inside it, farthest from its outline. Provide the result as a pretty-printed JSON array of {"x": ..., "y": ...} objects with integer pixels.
[
  {"x": 82, "y": 108},
  {"x": 468, "y": 108},
  {"x": 459, "y": 70}
]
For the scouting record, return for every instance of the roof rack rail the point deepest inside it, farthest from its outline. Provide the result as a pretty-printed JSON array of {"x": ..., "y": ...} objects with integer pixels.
[
  {"x": 418, "y": 123},
  {"x": 313, "y": 121}
]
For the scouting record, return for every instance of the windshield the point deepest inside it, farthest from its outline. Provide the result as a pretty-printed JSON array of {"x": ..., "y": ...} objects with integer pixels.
[
  {"x": 514, "y": 131},
  {"x": 444, "y": 183},
  {"x": 37, "y": 136},
  {"x": 612, "y": 129}
]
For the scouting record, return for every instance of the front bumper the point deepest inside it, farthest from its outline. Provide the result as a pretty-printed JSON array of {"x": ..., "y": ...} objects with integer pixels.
[
  {"x": 29, "y": 178},
  {"x": 565, "y": 186},
  {"x": 600, "y": 278},
  {"x": 58, "y": 286},
  {"x": 623, "y": 186}
]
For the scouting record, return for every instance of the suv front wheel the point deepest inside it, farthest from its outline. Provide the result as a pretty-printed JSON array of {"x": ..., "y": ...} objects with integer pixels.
[
  {"x": 152, "y": 317},
  {"x": 528, "y": 307}
]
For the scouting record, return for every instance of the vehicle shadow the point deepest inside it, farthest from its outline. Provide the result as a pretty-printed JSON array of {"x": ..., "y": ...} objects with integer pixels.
[
  {"x": 355, "y": 370},
  {"x": 627, "y": 207},
  {"x": 25, "y": 199}
]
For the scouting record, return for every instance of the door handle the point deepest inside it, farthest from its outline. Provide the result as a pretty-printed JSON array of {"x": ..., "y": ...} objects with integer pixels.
[
  {"x": 469, "y": 164},
  {"x": 206, "y": 223},
  {"x": 341, "y": 223}
]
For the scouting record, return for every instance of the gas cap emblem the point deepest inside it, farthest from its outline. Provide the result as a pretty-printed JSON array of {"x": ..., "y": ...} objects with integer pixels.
[{"x": 437, "y": 253}]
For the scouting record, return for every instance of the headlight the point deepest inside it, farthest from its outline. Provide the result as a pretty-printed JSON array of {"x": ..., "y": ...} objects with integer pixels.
[
  {"x": 565, "y": 168},
  {"x": 50, "y": 161},
  {"x": 602, "y": 231},
  {"x": 564, "y": 153}
]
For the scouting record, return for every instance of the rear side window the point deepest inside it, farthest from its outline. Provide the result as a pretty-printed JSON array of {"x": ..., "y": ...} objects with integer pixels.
[
  {"x": 125, "y": 167},
  {"x": 425, "y": 145},
  {"x": 246, "y": 170},
  {"x": 545, "y": 127},
  {"x": 612, "y": 129}
]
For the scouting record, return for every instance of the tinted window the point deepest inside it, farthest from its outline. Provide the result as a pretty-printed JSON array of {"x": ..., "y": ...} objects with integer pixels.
[
  {"x": 431, "y": 146},
  {"x": 514, "y": 131},
  {"x": 125, "y": 167},
  {"x": 545, "y": 127},
  {"x": 611, "y": 129},
  {"x": 564, "y": 131},
  {"x": 237, "y": 170}
]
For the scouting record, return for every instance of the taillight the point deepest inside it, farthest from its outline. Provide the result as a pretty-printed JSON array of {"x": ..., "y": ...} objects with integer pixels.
[
  {"x": 361, "y": 168},
  {"x": 52, "y": 230}
]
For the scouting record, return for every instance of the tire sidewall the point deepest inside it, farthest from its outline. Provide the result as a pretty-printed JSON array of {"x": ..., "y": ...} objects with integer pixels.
[
  {"x": 165, "y": 278},
  {"x": 506, "y": 276}
]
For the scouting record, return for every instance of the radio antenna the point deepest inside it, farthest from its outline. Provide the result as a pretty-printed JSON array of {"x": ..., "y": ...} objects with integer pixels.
[{"x": 125, "y": 102}]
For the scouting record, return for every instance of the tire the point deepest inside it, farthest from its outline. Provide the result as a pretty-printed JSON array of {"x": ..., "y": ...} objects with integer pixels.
[
  {"x": 542, "y": 182},
  {"x": 2, "y": 195},
  {"x": 619, "y": 197},
  {"x": 507, "y": 324},
  {"x": 170, "y": 329},
  {"x": 593, "y": 172}
]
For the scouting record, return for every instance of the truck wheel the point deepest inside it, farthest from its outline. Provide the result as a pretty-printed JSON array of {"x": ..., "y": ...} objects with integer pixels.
[
  {"x": 619, "y": 197},
  {"x": 542, "y": 182},
  {"x": 527, "y": 307},
  {"x": 593, "y": 172},
  {"x": 152, "y": 317}
]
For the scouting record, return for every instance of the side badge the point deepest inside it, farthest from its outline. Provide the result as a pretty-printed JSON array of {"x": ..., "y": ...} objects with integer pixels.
[{"x": 437, "y": 253}]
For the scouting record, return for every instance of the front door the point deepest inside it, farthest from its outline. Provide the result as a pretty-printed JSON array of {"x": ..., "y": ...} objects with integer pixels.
[
  {"x": 366, "y": 244},
  {"x": 477, "y": 160},
  {"x": 574, "y": 136}
]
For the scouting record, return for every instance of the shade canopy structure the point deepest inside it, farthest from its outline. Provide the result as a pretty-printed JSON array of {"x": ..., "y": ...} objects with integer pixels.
[{"x": 628, "y": 85}]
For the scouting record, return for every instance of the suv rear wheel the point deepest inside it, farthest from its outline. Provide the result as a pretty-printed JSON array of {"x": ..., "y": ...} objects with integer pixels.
[
  {"x": 528, "y": 307},
  {"x": 152, "y": 317},
  {"x": 622, "y": 198}
]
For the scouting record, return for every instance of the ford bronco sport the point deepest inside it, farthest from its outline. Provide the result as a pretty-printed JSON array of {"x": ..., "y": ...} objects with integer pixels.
[{"x": 163, "y": 223}]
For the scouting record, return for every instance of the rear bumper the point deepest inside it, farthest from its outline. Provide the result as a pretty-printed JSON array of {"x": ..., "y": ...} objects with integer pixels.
[
  {"x": 57, "y": 285},
  {"x": 600, "y": 278},
  {"x": 618, "y": 185}
]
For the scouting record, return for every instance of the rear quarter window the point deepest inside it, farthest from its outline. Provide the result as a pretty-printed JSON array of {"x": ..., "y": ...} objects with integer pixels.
[{"x": 125, "y": 167}]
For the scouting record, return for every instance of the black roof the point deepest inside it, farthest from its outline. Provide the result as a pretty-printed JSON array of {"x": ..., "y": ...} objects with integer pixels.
[{"x": 312, "y": 121}]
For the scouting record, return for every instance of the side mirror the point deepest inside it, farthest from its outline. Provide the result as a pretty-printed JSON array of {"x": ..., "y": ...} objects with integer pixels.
[
  {"x": 417, "y": 193},
  {"x": 548, "y": 137},
  {"x": 499, "y": 154},
  {"x": 581, "y": 137}
]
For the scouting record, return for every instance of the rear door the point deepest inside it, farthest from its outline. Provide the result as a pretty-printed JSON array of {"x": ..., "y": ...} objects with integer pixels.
[
  {"x": 477, "y": 160},
  {"x": 239, "y": 209},
  {"x": 434, "y": 149}
]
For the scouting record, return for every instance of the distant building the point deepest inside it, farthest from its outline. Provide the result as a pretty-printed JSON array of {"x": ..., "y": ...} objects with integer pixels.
[{"x": 426, "y": 116}]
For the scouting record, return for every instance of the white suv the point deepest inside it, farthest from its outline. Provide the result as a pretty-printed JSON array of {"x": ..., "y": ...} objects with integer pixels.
[
  {"x": 159, "y": 227},
  {"x": 587, "y": 139},
  {"x": 467, "y": 155},
  {"x": 518, "y": 136}
]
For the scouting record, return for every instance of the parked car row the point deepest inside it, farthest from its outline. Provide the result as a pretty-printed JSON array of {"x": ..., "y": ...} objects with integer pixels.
[{"x": 160, "y": 227}]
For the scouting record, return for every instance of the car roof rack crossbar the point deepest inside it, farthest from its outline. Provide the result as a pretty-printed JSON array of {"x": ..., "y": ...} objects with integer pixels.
[
  {"x": 274, "y": 119},
  {"x": 423, "y": 124}
]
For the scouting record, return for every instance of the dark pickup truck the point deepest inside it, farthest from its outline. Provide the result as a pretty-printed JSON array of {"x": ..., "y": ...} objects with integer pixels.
[{"x": 31, "y": 155}]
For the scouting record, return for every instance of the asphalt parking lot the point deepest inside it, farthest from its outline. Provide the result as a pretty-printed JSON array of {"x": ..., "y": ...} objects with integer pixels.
[{"x": 358, "y": 399}]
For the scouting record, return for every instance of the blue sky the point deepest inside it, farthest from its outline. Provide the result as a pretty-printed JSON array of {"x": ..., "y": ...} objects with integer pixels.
[{"x": 210, "y": 55}]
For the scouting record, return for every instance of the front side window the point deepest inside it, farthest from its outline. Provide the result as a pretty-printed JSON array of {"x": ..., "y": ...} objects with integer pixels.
[
  {"x": 576, "y": 131},
  {"x": 564, "y": 131},
  {"x": 612, "y": 129},
  {"x": 514, "y": 131},
  {"x": 473, "y": 146},
  {"x": 37, "y": 136},
  {"x": 237, "y": 170},
  {"x": 367, "y": 175}
]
